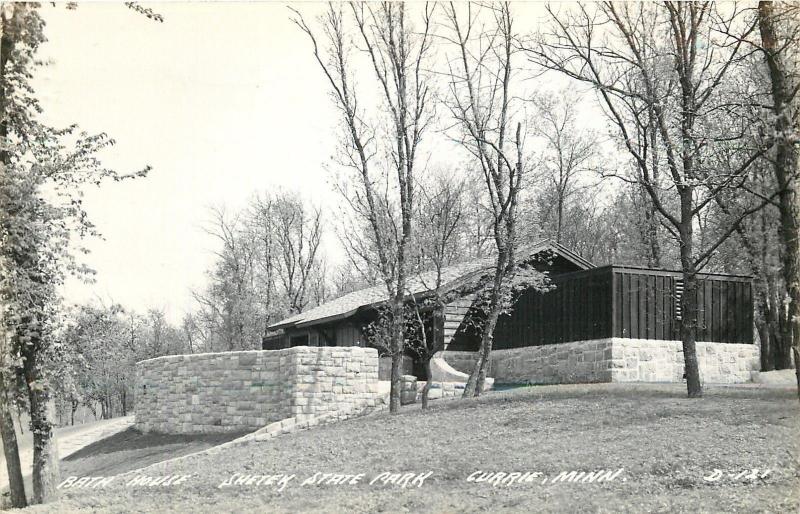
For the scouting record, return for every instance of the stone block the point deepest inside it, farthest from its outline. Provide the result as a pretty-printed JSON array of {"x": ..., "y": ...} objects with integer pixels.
[
  {"x": 247, "y": 358},
  {"x": 241, "y": 390}
]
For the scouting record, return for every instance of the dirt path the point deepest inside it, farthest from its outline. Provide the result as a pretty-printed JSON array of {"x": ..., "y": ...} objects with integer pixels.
[{"x": 69, "y": 440}]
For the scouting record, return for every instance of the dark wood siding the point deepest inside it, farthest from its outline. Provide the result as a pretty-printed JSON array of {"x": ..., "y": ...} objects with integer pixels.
[
  {"x": 645, "y": 304},
  {"x": 578, "y": 307},
  {"x": 725, "y": 310},
  {"x": 348, "y": 335},
  {"x": 623, "y": 302},
  {"x": 275, "y": 342}
]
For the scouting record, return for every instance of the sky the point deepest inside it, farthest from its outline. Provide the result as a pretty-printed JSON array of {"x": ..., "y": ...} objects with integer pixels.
[{"x": 223, "y": 100}]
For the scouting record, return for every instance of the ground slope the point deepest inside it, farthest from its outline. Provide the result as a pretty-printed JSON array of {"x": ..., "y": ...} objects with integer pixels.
[{"x": 665, "y": 443}]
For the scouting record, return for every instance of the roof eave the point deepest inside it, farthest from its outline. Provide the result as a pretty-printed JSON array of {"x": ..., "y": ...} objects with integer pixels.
[{"x": 327, "y": 319}]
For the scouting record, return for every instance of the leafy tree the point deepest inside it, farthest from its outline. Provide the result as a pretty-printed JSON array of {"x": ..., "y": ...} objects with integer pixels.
[
  {"x": 43, "y": 172},
  {"x": 99, "y": 349}
]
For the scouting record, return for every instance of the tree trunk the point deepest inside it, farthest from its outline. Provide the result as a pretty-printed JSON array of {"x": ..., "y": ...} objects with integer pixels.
[
  {"x": 785, "y": 164},
  {"x": 650, "y": 231},
  {"x": 763, "y": 335},
  {"x": 11, "y": 450},
  {"x": 487, "y": 341},
  {"x": 9, "y": 436},
  {"x": 765, "y": 319},
  {"x": 560, "y": 217},
  {"x": 796, "y": 352},
  {"x": 790, "y": 234},
  {"x": 651, "y": 213},
  {"x": 689, "y": 298},
  {"x": 689, "y": 333},
  {"x": 781, "y": 331},
  {"x": 19, "y": 419},
  {"x": 472, "y": 382},
  {"x": 397, "y": 355},
  {"x": 45, "y": 454},
  {"x": 428, "y": 378},
  {"x": 477, "y": 378}
]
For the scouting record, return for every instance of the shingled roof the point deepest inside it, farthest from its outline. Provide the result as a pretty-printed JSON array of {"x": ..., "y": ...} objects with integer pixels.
[{"x": 347, "y": 305}]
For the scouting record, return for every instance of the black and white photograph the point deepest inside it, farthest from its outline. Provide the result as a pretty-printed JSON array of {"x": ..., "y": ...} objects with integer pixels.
[{"x": 404, "y": 257}]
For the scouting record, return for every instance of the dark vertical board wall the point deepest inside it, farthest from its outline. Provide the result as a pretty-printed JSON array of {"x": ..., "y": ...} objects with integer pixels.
[
  {"x": 645, "y": 307},
  {"x": 578, "y": 308},
  {"x": 625, "y": 302},
  {"x": 646, "y": 303}
]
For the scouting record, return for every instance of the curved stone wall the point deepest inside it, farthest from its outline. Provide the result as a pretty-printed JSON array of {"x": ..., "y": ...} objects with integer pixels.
[{"x": 237, "y": 391}]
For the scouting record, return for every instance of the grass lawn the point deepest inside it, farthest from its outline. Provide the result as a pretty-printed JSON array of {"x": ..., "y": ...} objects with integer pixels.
[
  {"x": 665, "y": 443},
  {"x": 129, "y": 450}
]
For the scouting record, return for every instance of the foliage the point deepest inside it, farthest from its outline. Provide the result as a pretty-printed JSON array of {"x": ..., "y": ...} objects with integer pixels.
[
  {"x": 43, "y": 171},
  {"x": 99, "y": 350}
]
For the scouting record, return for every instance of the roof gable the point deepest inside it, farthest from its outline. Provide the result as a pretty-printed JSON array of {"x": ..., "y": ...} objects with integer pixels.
[{"x": 347, "y": 305}]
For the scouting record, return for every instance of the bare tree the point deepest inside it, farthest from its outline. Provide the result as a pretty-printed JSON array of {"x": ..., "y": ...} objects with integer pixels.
[
  {"x": 570, "y": 150},
  {"x": 780, "y": 38},
  {"x": 268, "y": 264},
  {"x": 479, "y": 240},
  {"x": 298, "y": 234},
  {"x": 396, "y": 51},
  {"x": 262, "y": 226},
  {"x": 227, "y": 304},
  {"x": 440, "y": 242},
  {"x": 666, "y": 65},
  {"x": 191, "y": 331},
  {"x": 480, "y": 100}
]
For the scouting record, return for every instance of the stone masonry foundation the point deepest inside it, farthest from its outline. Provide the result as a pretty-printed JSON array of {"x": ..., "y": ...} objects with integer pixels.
[{"x": 613, "y": 360}]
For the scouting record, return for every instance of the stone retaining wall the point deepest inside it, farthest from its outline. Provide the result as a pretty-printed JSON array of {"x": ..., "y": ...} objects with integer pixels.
[
  {"x": 411, "y": 389},
  {"x": 643, "y": 360},
  {"x": 567, "y": 363},
  {"x": 460, "y": 361},
  {"x": 614, "y": 360},
  {"x": 236, "y": 391},
  {"x": 385, "y": 367},
  {"x": 441, "y": 390}
]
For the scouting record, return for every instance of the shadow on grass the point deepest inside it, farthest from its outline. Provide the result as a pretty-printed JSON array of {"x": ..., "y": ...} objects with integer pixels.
[
  {"x": 132, "y": 439},
  {"x": 132, "y": 449}
]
